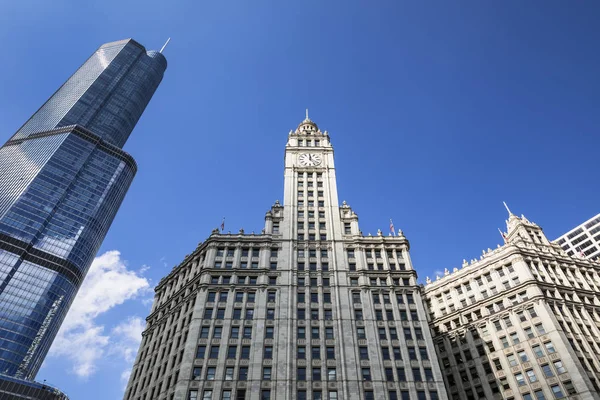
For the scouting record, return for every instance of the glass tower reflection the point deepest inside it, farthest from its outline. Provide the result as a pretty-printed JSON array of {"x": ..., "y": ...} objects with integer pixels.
[{"x": 63, "y": 177}]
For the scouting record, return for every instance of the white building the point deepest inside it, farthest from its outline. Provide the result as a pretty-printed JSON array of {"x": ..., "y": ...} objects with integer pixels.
[
  {"x": 583, "y": 240},
  {"x": 310, "y": 309},
  {"x": 522, "y": 322}
]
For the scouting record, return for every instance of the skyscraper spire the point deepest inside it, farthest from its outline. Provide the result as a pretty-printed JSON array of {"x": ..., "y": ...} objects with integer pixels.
[
  {"x": 508, "y": 209},
  {"x": 164, "y": 45}
]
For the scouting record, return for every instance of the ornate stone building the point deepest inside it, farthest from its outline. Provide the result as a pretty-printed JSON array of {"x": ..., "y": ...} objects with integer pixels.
[
  {"x": 310, "y": 309},
  {"x": 522, "y": 322}
]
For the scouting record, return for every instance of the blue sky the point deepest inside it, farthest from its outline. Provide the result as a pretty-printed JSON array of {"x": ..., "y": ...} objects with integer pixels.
[{"x": 438, "y": 111}]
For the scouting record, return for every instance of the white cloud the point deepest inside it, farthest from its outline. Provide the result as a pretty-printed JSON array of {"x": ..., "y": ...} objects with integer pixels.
[
  {"x": 130, "y": 335},
  {"x": 81, "y": 340}
]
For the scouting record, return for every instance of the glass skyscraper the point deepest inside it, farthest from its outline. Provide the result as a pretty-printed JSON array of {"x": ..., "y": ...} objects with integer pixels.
[{"x": 63, "y": 177}]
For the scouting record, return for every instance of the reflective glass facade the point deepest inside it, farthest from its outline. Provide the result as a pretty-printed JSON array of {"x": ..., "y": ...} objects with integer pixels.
[{"x": 63, "y": 177}]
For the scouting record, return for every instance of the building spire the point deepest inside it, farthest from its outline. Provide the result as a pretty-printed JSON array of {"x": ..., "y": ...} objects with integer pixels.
[
  {"x": 165, "y": 45},
  {"x": 507, "y": 209},
  {"x": 307, "y": 119}
]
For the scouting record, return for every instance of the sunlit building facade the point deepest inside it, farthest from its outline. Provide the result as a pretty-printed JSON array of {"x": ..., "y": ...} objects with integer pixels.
[
  {"x": 63, "y": 176},
  {"x": 308, "y": 309},
  {"x": 522, "y": 322}
]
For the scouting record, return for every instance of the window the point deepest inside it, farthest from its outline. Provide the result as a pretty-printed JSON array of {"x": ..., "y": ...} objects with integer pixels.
[
  {"x": 197, "y": 373},
  {"x": 360, "y": 332},
  {"x": 532, "y": 312},
  {"x": 328, "y": 333},
  {"x": 235, "y": 332},
  {"x": 243, "y": 374},
  {"x": 523, "y": 356},
  {"x": 537, "y": 350},
  {"x": 515, "y": 338},
  {"x": 364, "y": 353},
  {"x": 207, "y": 395},
  {"x": 301, "y": 374},
  {"x": 531, "y": 375},
  {"x": 550, "y": 347},
  {"x": 316, "y": 374},
  {"x": 266, "y": 373},
  {"x": 201, "y": 352},
  {"x": 229, "y": 373},
  {"x": 268, "y": 354},
  {"x": 316, "y": 353},
  {"x": 560, "y": 369},
  {"x": 417, "y": 374},
  {"x": 204, "y": 332},
  {"x": 539, "y": 395},
  {"x": 366, "y": 374},
  {"x": 385, "y": 352},
  {"x": 210, "y": 373},
  {"x": 231, "y": 351},
  {"x": 540, "y": 329},
  {"x": 429, "y": 375},
  {"x": 520, "y": 379},
  {"x": 301, "y": 333},
  {"x": 226, "y": 395},
  {"x": 547, "y": 371},
  {"x": 245, "y": 355},
  {"x": 214, "y": 351},
  {"x": 412, "y": 354},
  {"x": 314, "y": 333},
  {"x": 569, "y": 387},
  {"x": 529, "y": 332},
  {"x": 301, "y": 395},
  {"x": 301, "y": 352},
  {"x": 401, "y": 374},
  {"x": 265, "y": 395},
  {"x": 269, "y": 332},
  {"x": 331, "y": 374},
  {"x": 557, "y": 391},
  {"x": 330, "y": 353}
]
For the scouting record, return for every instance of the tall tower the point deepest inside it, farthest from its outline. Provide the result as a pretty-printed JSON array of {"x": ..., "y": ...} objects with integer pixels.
[
  {"x": 63, "y": 177},
  {"x": 310, "y": 309}
]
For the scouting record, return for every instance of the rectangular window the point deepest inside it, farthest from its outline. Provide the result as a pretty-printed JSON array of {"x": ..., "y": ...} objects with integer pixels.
[
  {"x": 268, "y": 354},
  {"x": 210, "y": 373},
  {"x": 301, "y": 374},
  {"x": 266, "y": 373},
  {"x": 366, "y": 374},
  {"x": 243, "y": 374}
]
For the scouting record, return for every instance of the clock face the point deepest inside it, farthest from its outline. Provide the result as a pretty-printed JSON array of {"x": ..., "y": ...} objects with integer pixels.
[{"x": 309, "y": 160}]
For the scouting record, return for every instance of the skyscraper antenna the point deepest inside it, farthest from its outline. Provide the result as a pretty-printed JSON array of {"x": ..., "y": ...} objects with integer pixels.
[
  {"x": 307, "y": 113},
  {"x": 165, "y": 45},
  {"x": 507, "y": 209}
]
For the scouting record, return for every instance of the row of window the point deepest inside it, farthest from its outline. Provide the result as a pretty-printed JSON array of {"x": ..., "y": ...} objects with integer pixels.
[
  {"x": 310, "y": 193},
  {"x": 265, "y": 394},
  {"x": 466, "y": 287},
  {"x": 239, "y": 279},
  {"x": 311, "y": 203},
  {"x": 239, "y": 296},
  {"x": 243, "y": 264}
]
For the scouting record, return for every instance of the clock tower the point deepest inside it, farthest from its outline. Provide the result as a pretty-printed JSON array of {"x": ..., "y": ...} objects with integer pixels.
[{"x": 309, "y": 309}]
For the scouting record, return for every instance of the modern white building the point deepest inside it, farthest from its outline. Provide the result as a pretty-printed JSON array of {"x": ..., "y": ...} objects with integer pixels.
[
  {"x": 309, "y": 309},
  {"x": 583, "y": 240},
  {"x": 520, "y": 322}
]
